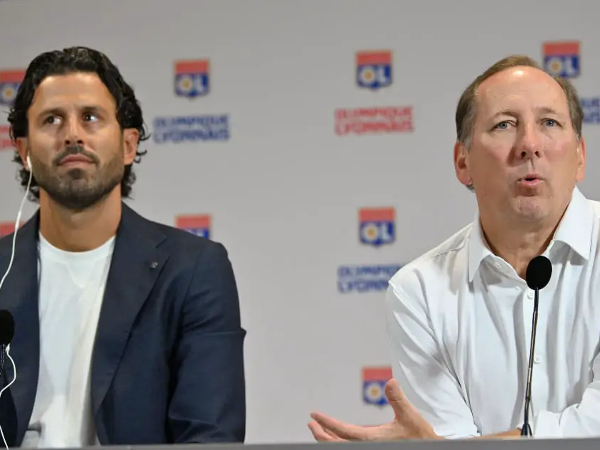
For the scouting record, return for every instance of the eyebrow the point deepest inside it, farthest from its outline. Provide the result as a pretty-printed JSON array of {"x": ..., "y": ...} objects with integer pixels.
[
  {"x": 548, "y": 110},
  {"x": 57, "y": 111},
  {"x": 541, "y": 110}
]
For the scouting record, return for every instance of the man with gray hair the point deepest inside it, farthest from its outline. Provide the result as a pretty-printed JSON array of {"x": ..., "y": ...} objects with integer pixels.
[{"x": 460, "y": 316}]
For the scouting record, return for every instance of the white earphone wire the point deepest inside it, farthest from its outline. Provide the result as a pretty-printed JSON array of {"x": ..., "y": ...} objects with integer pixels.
[
  {"x": 17, "y": 223},
  {"x": 12, "y": 257},
  {"x": 6, "y": 387}
]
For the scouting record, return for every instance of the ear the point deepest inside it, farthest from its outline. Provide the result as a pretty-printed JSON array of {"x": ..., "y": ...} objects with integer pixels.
[
  {"x": 130, "y": 145},
  {"x": 461, "y": 164},
  {"x": 581, "y": 159},
  {"x": 22, "y": 145}
]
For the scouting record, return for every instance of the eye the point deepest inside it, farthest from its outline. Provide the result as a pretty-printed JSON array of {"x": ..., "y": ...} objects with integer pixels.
[
  {"x": 550, "y": 122},
  {"x": 501, "y": 126},
  {"x": 50, "y": 120},
  {"x": 89, "y": 117}
]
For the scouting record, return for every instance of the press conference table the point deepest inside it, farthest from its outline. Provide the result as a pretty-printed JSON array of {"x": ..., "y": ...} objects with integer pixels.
[{"x": 468, "y": 444}]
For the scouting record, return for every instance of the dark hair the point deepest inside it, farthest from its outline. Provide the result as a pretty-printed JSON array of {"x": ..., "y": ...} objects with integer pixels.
[{"x": 64, "y": 62}]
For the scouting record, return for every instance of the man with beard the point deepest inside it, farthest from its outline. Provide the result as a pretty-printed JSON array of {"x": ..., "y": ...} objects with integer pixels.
[{"x": 127, "y": 331}]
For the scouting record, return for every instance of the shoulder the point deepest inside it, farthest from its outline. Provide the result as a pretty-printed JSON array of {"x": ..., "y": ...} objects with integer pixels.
[
  {"x": 189, "y": 256},
  {"x": 195, "y": 264},
  {"x": 190, "y": 249},
  {"x": 198, "y": 276},
  {"x": 438, "y": 266},
  {"x": 184, "y": 242},
  {"x": 178, "y": 243}
]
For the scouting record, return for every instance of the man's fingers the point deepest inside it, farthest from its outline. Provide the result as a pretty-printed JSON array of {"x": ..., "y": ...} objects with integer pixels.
[
  {"x": 322, "y": 435},
  {"x": 340, "y": 429},
  {"x": 330, "y": 433},
  {"x": 333, "y": 436},
  {"x": 397, "y": 399}
]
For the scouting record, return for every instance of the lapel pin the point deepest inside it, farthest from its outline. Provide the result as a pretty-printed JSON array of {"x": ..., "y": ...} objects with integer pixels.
[{"x": 154, "y": 265}]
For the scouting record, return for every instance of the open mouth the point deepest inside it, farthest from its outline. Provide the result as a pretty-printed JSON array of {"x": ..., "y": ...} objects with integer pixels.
[{"x": 530, "y": 181}]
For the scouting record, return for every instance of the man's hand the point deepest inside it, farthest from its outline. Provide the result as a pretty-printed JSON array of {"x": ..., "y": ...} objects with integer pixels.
[{"x": 407, "y": 424}]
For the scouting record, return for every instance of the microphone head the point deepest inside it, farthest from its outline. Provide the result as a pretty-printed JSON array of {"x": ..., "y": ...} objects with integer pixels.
[
  {"x": 538, "y": 272},
  {"x": 7, "y": 327}
]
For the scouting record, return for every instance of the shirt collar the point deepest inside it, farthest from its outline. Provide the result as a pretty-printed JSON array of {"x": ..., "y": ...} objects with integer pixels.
[{"x": 575, "y": 230}]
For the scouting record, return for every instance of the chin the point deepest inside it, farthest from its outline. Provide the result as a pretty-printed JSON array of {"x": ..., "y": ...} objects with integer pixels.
[
  {"x": 534, "y": 208},
  {"x": 532, "y": 214}
]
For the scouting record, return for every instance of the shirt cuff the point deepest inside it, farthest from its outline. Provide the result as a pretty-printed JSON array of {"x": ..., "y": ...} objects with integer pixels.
[{"x": 546, "y": 426}]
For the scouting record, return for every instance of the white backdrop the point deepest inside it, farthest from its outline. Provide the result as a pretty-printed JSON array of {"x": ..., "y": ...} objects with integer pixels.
[{"x": 276, "y": 174}]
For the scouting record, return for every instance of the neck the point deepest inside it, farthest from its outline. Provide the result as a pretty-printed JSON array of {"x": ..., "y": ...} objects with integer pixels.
[
  {"x": 79, "y": 231},
  {"x": 518, "y": 245}
]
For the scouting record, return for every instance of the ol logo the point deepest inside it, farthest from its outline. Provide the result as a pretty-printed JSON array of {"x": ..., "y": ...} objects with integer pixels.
[
  {"x": 374, "y": 69},
  {"x": 377, "y": 226},
  {"x": 374, "y": 381},
  {"x": 561, "y": 59},
  {"x": 192, "y": 78},
  {"x": 10, "y": 80},
  {"x": 198, "y": 224}
]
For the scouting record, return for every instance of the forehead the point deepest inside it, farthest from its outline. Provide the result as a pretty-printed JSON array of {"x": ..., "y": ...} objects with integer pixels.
[
  {"x": 520, "y": 88},
  {"x": 72, "y": 90}
]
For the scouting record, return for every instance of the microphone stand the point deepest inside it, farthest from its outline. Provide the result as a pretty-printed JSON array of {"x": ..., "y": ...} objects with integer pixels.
[{"x": 526, "y": 430}]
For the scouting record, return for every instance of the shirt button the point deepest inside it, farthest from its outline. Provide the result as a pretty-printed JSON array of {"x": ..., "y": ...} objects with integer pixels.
[
  {"x": 530, "y": 293},
  {"x": 498, "y": 266},
  {"x": 537, "y": 359}
]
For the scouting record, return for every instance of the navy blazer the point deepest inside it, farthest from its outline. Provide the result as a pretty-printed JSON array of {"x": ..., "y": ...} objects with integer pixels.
[{"x": 167, "y": 364}]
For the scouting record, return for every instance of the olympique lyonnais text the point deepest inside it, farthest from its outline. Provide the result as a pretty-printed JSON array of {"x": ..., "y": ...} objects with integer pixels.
[
  {"x": 191, "y": 128},
  {"x": 365, "y": 278},
  {"x": 390, "y": 119}
]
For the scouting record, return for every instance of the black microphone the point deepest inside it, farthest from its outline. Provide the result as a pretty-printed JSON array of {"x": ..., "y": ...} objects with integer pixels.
[
  {"x": 7, "y": 331},
  {"x": 537, "y": 276}
]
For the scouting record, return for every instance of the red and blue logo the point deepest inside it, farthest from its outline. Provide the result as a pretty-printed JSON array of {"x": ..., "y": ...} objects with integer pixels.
[
  {"x": 5, "y": 140},
  {"x": 562, "y": 59},
  {"x": 192, "y": 78},
  {"x": 374, "y": 69},
  {"x": 198, "y": 224},
  {"x": 10, "y": 80},
  {"x": 377, "y": 226},
  {"x": 7, "y": 228},
  {"x": 374, "y": 380}
]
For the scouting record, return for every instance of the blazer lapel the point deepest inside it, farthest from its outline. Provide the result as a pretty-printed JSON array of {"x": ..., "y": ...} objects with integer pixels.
[
  {"x": 136, "y": 263},
  {"x": 19, "y": 295}
]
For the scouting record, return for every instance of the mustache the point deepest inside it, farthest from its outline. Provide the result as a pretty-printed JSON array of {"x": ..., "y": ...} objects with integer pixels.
[{"x": 75, "y": 150}]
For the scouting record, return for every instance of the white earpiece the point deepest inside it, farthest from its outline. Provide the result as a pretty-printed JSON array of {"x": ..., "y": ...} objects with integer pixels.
[{"x": 28, "y": 163}]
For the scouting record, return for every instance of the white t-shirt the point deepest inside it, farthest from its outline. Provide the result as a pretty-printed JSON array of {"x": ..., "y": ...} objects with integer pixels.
[
  {"x": 70, "y": 296},
  {"x": 459, "y": 320}
]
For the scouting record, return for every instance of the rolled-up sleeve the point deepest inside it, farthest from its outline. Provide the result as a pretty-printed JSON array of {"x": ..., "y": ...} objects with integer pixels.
[
  {"x": 577, "y": 421},
  {"x": 420, "y": 369}
]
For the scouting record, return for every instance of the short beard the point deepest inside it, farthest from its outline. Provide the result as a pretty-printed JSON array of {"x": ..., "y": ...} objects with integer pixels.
[{"x": 75, "y": 191}]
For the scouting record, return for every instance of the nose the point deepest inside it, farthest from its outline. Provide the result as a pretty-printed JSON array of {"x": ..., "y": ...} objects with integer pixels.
[
  {"x": 73, "y": 134},
  {"x": 529, "y": 143}
]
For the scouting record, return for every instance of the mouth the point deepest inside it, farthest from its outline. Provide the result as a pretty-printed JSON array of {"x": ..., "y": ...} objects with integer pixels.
[
  {"x": 75, "y": 160},
  {"x": 530, "y": 180}
]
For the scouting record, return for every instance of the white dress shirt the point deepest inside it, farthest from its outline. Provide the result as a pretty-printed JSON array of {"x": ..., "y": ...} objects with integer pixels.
[
  {"x": 459, "y": 320},
  {"x": 70, "y": 297}
]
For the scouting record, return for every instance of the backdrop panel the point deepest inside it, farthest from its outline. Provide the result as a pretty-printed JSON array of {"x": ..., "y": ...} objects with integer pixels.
[{"x": 314, "y": 140}]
